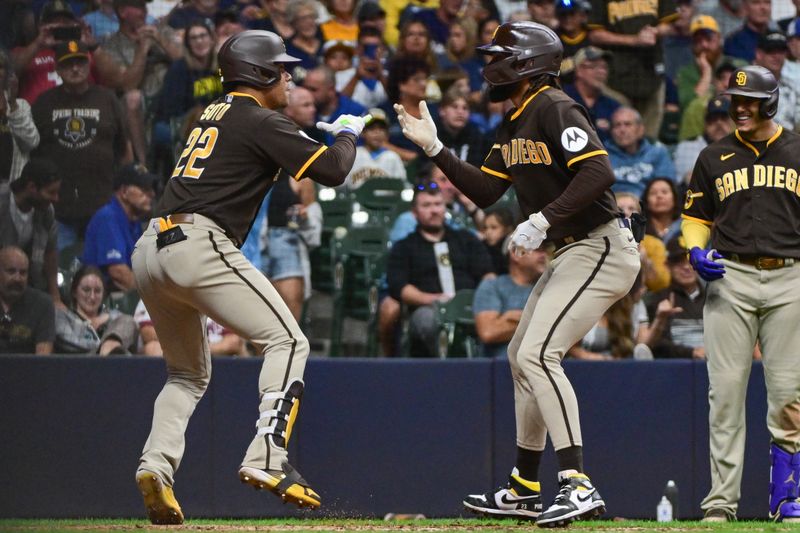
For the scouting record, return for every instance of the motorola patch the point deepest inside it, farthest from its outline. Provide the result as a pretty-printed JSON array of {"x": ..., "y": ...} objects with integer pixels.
[{"x": 574, "y": 139}]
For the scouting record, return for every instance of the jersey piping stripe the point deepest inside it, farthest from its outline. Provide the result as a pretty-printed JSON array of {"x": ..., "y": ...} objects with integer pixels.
[
  {"x": 753, "y": 148},
  {"x": 563, "y": 313},
  {"x": 585, "y": 156},
  {"x": 308, "y": 163},
  {"x": 777, "y": 134},
  {"x": 245, "y": 95},
  {"x": 496, "y": 173},
  {"x": 700, "y": 220},
  {"x": 263, "y": 299},
  {"x": 573, "y": 40},
  {"x": 526, "y": 102}
]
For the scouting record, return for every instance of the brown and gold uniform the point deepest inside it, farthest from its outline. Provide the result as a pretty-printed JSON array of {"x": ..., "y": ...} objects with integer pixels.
[
  {"x": 748, "y": 194},
  {"x": 549, "y": 151},
  {"x": 232, "y": 155}
]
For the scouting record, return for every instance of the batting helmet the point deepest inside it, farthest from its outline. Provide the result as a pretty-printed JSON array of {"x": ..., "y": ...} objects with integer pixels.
[
  {"x": 755, "y": 82},
  {"x": 527, "y": 50},
  {"x": 253, "y": 57}
]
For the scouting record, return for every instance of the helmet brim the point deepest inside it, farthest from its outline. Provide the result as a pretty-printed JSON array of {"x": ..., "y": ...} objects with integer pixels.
[
  {"x": 492, "y": 49},
  {"x": 286, "y": 58},
  {"x": 759, "y": 95}
]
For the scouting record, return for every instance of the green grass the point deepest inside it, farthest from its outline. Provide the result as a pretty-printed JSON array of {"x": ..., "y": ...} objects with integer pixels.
[{"x": 313, "y": 525}]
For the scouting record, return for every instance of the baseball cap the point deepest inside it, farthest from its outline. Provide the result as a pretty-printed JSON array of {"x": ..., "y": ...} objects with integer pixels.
[
  {"x": 793, "y": 29},
  {"x": 70, "y": 49},
  {"x": 346, "y": 46},
  {"x": 54, "y": 9},
  {"x": 772, "y": 41},
  {"x": 589, "y": 53},
  {"x": 703, "y": 23},
  {"x": 134, "y": 174},
  {"x": 370, "y": 11},
  {"x": 717, "y": 106},
  {"x": 676, "y": 251},
  {"x": 378, "y": 117},
  {"x": 564, "y": 7}
]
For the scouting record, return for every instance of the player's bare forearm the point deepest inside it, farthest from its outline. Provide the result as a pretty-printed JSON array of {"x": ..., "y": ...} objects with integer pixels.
[
  {"x": 594, "y": 176},
  {"x": 482, "y": 188},
  {"x": 332, "y": 167}
]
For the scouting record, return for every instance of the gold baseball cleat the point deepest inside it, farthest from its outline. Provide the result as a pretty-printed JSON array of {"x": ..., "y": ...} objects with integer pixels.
[
  {"x": 288, "y": 484},
  {"x": 159, "y": 500}
]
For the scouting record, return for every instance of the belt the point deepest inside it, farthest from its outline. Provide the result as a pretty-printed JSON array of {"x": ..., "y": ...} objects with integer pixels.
[
  {"x": 761, "y": 262},
  {"x": 181, "y": 218},
  {"x": 554, "y": 245}
]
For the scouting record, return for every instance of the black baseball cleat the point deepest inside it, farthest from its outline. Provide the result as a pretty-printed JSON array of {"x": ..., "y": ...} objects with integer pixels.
[
  {"x": 519, "y": 499},
  {"x": 287, "y": 483},
  {"x": 577, "y": 499}
]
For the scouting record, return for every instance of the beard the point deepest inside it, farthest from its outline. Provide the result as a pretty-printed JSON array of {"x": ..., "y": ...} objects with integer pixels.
[{"x": 430, "y": 228}]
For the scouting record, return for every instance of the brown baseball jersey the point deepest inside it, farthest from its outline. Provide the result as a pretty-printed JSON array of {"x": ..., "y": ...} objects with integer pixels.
[
  {"x": 537, "y": 148},
  {"x": 749, "y": 193},
  {"x": 231, "y": 159}
]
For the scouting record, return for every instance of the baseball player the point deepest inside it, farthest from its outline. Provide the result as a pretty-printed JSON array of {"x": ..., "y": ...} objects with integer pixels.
[
  {"x": 548, "y": 149},
  {"x": 188, "y": 266},
  {"x": 743, "y": 203}
]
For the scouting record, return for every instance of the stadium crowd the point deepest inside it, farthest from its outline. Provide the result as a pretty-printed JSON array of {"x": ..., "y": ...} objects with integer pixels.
[{"x": 98, "y": 96}]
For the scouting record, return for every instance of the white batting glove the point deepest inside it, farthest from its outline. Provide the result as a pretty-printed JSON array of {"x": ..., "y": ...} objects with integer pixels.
[
  {"x": 529, "y": 235},
  {"x": 348, "y": 123},
  {"x": 420, "y": 131}
]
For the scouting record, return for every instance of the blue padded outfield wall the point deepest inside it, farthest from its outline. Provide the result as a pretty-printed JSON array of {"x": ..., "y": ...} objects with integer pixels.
[{"x": 374, "y": 436}]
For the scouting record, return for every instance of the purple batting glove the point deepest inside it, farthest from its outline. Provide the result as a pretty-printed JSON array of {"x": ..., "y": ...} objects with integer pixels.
[{"x": 703, "y": 263}]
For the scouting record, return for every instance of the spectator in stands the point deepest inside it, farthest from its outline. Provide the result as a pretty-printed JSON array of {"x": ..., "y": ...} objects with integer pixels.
[
  {"x": 727, "y": 13},
  {"x": 372, "y": 15},
  {"x": 302, "y": 110},
  {"x": 191, "y": 11},
  {"x": 717, "y": 125},
  {"x": 499, "y": 301},
  {"x": 27, "y": 221},
  {"x": 590, "y": 72},
  {"x": 771, "y": 53},
  {"x": 269, "y": 15},
  {"x": 438, "y": 20},
  {"x": 115, "y": 228},
  {"x": 791, "y": 68},
  {"x": 134, "y": 61},
  {"x": 406, "y": 85},
  {"x": 87, "y": 327},
  {"x": 82, "y": 129},
  {"x": 678, "y": 44},
  {"x": 35, "y": 62},
  {"x": 306, "y": 44},
  {"x": 103, "y": 21},
  {"x": 17, "y": 23},
  {"x": 191, "y": 83},
  {"x": 430, "y": 265},
  {"x": 365, "y": 82},
  {"x": 415, "y": 42},
  {"x": 757, "y": 21},
  {"x": 459, "y": 51},
  {"x": 654, "y": 273},
  {"x": 695, "y": 80},
  {"x": 338, "y": 55},
  {"x": 676, "y": 313},
  {"x": 632, "y": 33},
  {"x": 693, "y": 116},
  {"x": 18, "y": 133},
  {"x": 621, "y": 333},
  {"x": 662, "y": 207},
  {"x": 330, "y": 104},
  {"x": 635, "y": 159},
  {"x": 497, "y": 226},
  {"x": 543, "y": 12},
  {"x": 221, "y": 340},
  {"x": 572, "y": 18},
  {"x": 457, "y": 133},
  {"x": 27, "y": 316},
  {"x": 342, "y": 25},
  {"x": 373, "y": 159},
  {"x": 226, "y": 25}
]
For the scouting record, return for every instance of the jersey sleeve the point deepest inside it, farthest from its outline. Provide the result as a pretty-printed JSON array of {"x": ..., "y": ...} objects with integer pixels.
[
  {"x": 494, "y": 164},
  {"x": 569, "y": 131},
  {"x": 284, "y": 142},
  {"x": 699, "y": 202}
]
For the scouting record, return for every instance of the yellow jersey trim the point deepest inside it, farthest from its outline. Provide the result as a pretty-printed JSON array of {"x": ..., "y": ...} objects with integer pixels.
[
  {"x": 777, "y": 134},
  {"x": 700, "y": 220},
  {"x": 245, "y": 95},
  {"x": 574, "y": 40},
  {"x": 668, "y": 18},
  {"x": 308, "y": 163},
  {"x": 496, "y": 173},
  {"x": 519, "y": 111},
  {"x": 587, "y": 155}
]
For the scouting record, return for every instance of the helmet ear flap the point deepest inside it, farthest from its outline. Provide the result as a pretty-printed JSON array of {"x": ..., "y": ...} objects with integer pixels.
[{"x": 769, "y": 107}]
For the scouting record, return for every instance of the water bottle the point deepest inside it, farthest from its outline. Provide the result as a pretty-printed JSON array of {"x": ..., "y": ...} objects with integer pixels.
[
  {"x": 671, "y": 493},
  {"x": 664, "y": 510}
]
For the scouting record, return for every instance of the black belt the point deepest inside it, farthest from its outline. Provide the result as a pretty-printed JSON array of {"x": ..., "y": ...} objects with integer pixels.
[
  {"x": 760, "y": 262},
  {"x": 556, "y": 244}
]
